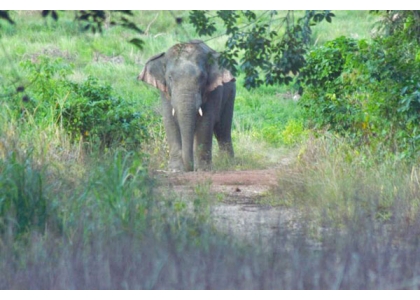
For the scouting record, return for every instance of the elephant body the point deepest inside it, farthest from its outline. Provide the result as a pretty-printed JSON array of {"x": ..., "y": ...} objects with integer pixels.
[{"x": 197, "y": 101}]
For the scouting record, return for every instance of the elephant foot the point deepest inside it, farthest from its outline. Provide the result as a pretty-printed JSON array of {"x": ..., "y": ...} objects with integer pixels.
[
  {"x": 176, "y": 166},
  {"x": 203, "y": 169},
  {"x": 226, "y": 149},
  {"x": 203, "y": 166}
]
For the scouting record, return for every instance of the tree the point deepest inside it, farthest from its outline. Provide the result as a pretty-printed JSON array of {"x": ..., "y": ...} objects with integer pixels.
[{"x": 267, "y": 48}]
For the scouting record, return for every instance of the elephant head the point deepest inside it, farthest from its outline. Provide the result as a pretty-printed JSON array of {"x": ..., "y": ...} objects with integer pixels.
[{"x": 186, "y": 75}]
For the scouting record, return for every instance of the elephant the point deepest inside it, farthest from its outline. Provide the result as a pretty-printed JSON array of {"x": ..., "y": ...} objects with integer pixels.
[{"x": 197, "y": 98}]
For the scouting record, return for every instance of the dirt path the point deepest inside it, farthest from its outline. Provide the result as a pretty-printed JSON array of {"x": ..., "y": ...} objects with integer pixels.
[
  {"x": 235, "y": 187},
  {"x": 238, "y": 209},
  {"x": 240, "y": 178}
]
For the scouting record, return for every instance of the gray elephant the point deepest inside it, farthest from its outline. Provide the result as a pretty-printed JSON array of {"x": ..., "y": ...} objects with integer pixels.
[{"x": 197, "y": 100}]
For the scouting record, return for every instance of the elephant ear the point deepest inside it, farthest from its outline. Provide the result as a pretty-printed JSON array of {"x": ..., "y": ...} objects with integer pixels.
[
  {"x": 154, "y": 72},
  {"x": 217, "y": 76}
]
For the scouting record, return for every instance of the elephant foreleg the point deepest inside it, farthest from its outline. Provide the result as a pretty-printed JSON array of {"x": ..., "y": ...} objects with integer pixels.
[
  {"x": 173, "y": 137},
  {"x": 203, "y": 142}
]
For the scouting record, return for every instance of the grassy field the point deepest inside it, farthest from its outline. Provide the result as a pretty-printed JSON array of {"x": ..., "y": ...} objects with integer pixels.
[{"x": 78, "y": 215}]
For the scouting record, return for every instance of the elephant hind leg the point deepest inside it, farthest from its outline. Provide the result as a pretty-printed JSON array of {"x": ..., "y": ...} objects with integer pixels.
[
  {"x": 222, "y": 131},
  {"x": 225, "y": 143},
  {"x": 203, "y": 149},
  {"x": 223, "y": 128}
]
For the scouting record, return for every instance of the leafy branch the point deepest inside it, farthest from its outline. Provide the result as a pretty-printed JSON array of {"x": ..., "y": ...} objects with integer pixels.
[
  {"x": 265, "y": 55},
  {"x": 94, "y": 20}
]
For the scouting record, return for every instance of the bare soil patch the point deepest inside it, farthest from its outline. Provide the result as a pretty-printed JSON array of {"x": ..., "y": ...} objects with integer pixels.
[
  {"x": 237, "y": 209},
  {"x": 249, "y": 177}
]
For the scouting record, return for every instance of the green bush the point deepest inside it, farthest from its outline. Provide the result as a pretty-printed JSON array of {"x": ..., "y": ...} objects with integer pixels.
[
  {"x": 98, "y": 114},
  {"x": 367, "y": 91},
  {"x": 294, "y": 132},
  {"x": 325, "y": 98},
  {"x": 89, "y": 110}
]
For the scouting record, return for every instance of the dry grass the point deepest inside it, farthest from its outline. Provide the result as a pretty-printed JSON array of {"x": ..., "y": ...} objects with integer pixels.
[{"x": 170, "y": 248}]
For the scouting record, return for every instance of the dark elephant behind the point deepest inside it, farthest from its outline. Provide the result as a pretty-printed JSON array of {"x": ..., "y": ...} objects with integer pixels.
[{"x": 197, "y": 100}]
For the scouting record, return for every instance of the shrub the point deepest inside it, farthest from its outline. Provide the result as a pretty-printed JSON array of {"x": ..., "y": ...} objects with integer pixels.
[
  {"x": 294, "y": 132},
  {"x": 370, "y": 92},
  {"x": 89, "y": 110},
  {"x": 324, "y": 98},
  {"x": 99, "y": 115}
]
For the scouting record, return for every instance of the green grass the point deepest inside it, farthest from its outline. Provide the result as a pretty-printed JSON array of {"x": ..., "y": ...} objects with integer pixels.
[
  {"x": 357, "y": 24},
  {"x": 80, "y": 217}
]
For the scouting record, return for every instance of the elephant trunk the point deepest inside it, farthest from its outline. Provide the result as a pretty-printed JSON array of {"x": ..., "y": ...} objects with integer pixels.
[
  {"x": 187, "y": 136},
  {"x": 186, "y": 113}
]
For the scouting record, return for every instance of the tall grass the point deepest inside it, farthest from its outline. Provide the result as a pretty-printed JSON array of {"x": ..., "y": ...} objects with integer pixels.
[
  {"x": 167, "y": 248},
  {"x": 105, "y": 225},
  {"x": 338, "y": 184}
]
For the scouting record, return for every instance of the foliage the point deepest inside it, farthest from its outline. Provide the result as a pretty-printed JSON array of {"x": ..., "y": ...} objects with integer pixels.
[
  {"x": 323, "y": 88},
  {"x": 258, "y": 46},
  {"x": 24, "y": 204},
  {"x": 95, "y": 112},
  {"x": 369, "y": 91},
  {"x": 399, "y": 21},
  {"x": 89, "y": 109},
  {"x": 94, "y": 20},
  {"x": 294, "y": 132},
  {"x": 267, "y": 49},
  {"x": 47, "y": 89},
  {"x": 4, "y": 14}
]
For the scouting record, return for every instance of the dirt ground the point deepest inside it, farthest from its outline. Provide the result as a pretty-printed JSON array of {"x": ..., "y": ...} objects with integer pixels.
[{"x": 238, "y": 209}]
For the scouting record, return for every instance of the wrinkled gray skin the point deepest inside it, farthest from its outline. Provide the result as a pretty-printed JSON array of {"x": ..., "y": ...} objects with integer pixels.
[{"x": 197, "y": 101}]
